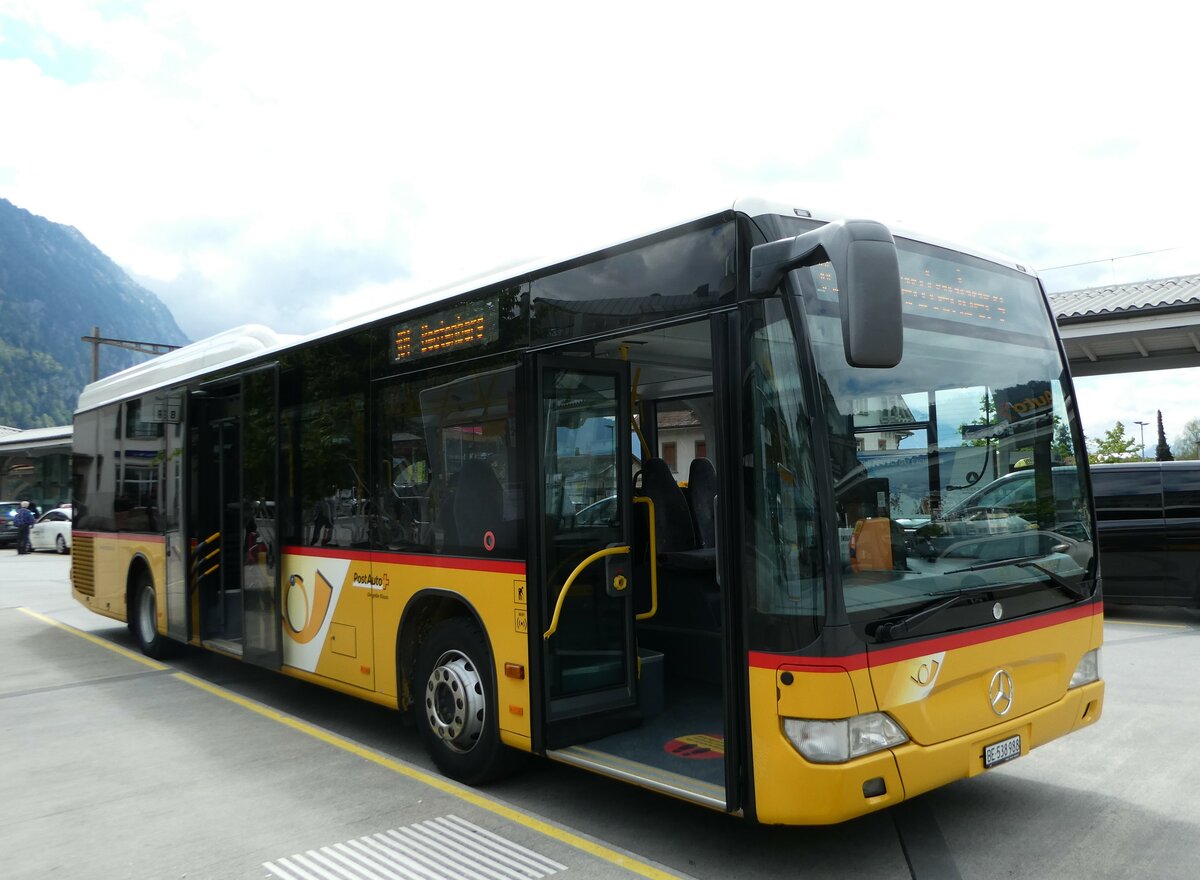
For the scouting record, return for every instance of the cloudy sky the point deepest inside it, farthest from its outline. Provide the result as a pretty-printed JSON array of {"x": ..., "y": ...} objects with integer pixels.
[{"x": 294, "y": 163}]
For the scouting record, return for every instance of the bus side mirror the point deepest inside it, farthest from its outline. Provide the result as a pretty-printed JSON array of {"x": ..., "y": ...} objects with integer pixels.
[{"x": 863, "y": 254}]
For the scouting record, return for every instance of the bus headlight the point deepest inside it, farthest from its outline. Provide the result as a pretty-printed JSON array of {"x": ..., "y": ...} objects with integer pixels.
[
  {"x": 1088, "y": 669},
  {"x": 834, "y": 742}
]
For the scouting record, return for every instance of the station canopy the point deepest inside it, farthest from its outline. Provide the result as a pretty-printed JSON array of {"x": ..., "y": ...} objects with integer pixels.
[{"x": 1125, "y": 328}]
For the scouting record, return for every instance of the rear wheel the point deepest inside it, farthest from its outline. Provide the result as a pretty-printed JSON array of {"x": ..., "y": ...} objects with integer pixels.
[
  {"x": 143, "y": 618},
  {"x": 456, "y": 704},
  {"x": 60, "y": 545}
]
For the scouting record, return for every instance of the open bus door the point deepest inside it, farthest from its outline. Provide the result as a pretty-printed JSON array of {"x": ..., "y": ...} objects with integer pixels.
[
  {"x": 631, "y": 685},
  {"x": 583, "y": 568},
  {"x": 234, "y": 565}
]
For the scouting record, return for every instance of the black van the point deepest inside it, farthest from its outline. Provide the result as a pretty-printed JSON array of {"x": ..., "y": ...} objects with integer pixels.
[{"x": 1148, "y": 525}]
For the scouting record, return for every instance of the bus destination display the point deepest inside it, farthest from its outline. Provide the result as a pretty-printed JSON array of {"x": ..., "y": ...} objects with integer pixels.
[{"x": 470, "y": 325}]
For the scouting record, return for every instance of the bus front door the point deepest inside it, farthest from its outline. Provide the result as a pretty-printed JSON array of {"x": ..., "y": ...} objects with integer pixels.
[{"x": 584, "y": 569}]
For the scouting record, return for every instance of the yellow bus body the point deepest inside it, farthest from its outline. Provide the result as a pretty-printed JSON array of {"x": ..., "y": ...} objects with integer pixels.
[
  {"x": 352, "y": 647},
  {"x": 938, "y": 690}
]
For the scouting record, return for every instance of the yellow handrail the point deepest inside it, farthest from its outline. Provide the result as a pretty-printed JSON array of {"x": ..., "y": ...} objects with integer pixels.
[
  {"x": 562, "y": 594},
  {"x": 646, "y": 615},
  {"x": 198, "y": 560},
  {"x": 635, "y": 402}
]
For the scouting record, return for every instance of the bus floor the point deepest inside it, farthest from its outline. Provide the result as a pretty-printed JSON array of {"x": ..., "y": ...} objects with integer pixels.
[{"x": 679, "y": 750}]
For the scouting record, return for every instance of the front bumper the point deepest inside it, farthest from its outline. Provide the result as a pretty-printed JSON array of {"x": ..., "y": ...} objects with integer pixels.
[{"x": 792, "y": 791}]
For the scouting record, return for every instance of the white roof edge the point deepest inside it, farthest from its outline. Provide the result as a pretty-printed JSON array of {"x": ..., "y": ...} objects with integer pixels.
[
  {"x": 222, "y": 349},
  {"x": 241, "y": 343},
  {"x": 509, "y": 272},
  {"x": 36, "y": 436},
  {"x": 752, "y": 206}
]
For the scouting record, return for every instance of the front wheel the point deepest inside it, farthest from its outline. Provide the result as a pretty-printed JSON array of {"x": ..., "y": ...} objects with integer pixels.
[
  {"x": 60, "y": 545},
  {"x": 143, "y": 618},
  {"x": 456, "y": 704}
]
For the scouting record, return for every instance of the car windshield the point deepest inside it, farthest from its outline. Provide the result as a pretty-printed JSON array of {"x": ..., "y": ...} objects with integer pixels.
[{"x": 977, "y": 408}]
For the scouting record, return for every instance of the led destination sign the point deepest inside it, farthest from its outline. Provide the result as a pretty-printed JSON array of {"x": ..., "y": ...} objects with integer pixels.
[{"x": 471, "y": 325}]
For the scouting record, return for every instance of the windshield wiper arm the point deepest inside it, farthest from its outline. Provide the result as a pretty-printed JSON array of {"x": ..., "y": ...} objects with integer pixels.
[
  {"x": 995, "y": 563},
  {"x": 1076, "y": 590},
  {"x": 1057, "y": 579},
  {"x": 887, "y": 632}
]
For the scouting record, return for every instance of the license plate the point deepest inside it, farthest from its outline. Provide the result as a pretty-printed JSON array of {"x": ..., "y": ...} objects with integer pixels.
[{"x": 1005, "y": 750}]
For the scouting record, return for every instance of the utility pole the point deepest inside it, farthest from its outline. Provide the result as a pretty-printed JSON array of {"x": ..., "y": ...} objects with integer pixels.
[
  {"x": 1143, "y": 426},
  {"x": 97, "y": 340}
]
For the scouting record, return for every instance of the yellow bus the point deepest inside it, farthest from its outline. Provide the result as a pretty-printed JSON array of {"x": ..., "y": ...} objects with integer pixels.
[{"x": 684, "y": 511}]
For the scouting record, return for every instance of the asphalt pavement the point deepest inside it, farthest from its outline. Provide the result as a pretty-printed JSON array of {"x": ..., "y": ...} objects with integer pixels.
[
  {"x": 112, "y": 765},
  {"x": 120, "y": 766}
]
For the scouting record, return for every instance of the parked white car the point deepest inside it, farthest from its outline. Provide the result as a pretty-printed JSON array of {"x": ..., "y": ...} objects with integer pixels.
[{"x": 52, "y": 531}]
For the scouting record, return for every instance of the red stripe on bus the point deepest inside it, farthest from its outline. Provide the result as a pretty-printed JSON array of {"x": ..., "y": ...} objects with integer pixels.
[
  {"x": 496, "y": 566},
  {"x": 883, "y": 656}
]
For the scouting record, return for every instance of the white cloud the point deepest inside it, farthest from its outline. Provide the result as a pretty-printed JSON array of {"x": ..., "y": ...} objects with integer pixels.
[
  {"x": 289, "y": 161},
  {"x": 1134, "y": 397}
]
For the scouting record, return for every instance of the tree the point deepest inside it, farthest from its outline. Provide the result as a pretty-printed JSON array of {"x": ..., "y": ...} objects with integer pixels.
[
  {"x": 1162, "y": 452},
  {"x": 1187, "y": 444},
  {"x": 1063, "y": 448},
  {"x": 1114, "y": 446}
]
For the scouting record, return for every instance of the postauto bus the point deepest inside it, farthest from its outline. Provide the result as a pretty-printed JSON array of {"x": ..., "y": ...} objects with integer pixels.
[{"x": 612, "y": 510}]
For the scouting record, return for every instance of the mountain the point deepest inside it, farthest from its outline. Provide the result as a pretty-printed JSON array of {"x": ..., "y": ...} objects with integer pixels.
[{"x": 55, "y": 286}]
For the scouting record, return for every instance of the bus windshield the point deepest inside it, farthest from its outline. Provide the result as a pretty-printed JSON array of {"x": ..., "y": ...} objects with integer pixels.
[{"x": 953, "y": 472}]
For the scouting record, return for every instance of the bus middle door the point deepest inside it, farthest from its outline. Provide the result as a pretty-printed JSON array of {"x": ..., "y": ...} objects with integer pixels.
[{"x": 588, "y": 653}]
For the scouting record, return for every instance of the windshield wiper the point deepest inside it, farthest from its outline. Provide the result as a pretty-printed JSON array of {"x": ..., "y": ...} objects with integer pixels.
[
  {"x": 887, "y": 632},
  {"x": 1057, "y": 579},
  {"x": 1076, "y": 590},
  {"x": 995, "y": 563}
]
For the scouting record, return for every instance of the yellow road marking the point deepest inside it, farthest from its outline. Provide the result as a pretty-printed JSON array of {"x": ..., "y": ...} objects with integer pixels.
[
  {"x": 468, "y": 795},
  {"x": 1108, "y": 619},
  {"x": 96, "y": 640}
]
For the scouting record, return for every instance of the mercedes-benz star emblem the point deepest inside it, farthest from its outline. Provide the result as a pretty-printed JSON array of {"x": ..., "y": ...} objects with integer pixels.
[{"x": 1000, "y": 692}]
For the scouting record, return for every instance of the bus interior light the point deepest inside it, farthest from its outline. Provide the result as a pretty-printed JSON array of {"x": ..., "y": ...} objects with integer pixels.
[
  {"x": 1088, "y": 669},
  {"x": 835, "y": 742}
]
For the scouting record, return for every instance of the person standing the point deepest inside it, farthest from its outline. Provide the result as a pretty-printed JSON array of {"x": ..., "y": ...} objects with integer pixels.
[{"x": 24, "y": 520}]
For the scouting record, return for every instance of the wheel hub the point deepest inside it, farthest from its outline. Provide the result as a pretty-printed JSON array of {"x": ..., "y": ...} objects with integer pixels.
[{"x": 454, "y": 701}]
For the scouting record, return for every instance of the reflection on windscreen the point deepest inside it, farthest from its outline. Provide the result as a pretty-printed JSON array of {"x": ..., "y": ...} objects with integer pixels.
[{"x": 954, "y": 470}]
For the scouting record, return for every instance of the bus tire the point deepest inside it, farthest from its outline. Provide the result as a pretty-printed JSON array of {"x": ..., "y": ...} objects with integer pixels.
[
  {"x": 455, "y": 706},
  {"x": 143, "y": 618}
]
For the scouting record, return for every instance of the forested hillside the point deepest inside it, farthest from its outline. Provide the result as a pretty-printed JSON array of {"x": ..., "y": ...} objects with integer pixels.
[{"x": 55, "y": 286}]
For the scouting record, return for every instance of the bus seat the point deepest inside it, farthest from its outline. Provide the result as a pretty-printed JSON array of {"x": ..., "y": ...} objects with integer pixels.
[
  {"x": 675, "y": 536},
  {"x": 702, "y": 483},
  {"x": 672, "y": 516}
]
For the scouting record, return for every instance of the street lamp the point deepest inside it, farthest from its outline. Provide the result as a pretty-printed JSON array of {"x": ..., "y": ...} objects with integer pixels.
[{"x": 1143, "y": 426}]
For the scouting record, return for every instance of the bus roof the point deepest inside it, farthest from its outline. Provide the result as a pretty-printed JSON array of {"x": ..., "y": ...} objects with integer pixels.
[
  {"x": 226, "y": 347},
  {"x": 239, "y": 344},
  {"x": 749, "y": 205}
]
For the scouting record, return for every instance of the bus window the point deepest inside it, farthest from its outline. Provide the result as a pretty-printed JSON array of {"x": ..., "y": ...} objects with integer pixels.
[
  {"x": 788, "y": 590},
  {"x": 449, "y": 466}
]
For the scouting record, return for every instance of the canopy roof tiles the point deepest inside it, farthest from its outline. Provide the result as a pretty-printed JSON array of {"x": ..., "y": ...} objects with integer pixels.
[{"x": 1161, "y": 293}]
